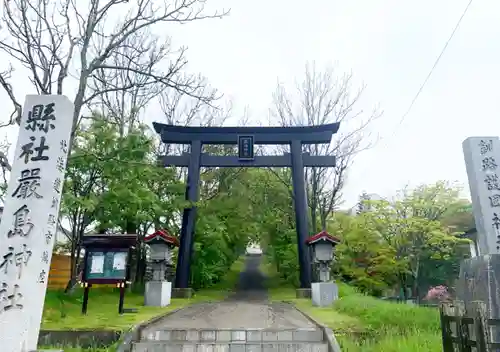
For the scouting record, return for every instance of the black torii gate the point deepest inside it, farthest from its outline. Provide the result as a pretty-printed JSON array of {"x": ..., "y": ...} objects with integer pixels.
[{"x": 245, "y": 138}]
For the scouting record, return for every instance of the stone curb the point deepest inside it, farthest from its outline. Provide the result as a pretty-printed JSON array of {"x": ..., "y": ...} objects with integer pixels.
[
  {"x": 134, "y": 334},
  {"x": 333, "y": 345}
]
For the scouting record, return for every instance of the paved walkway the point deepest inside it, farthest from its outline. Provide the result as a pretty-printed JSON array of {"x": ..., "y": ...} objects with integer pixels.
[{"x": 248, "y": 308}]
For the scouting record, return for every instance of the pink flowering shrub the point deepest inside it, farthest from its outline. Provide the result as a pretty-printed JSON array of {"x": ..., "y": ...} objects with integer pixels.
[{"x": 438, "y": 294}]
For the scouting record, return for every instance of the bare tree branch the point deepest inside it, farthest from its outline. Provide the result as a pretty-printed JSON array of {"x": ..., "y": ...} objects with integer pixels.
[
  {"x": 48, "y": 37},
  {"x": 15, "y": 116},
  {"x": 322, "y": 98}
]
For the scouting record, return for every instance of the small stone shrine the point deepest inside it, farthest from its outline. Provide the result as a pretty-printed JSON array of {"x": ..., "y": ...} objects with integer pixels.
[
  {"x": 480, "y": 276},
  {"x": 325, "y": 291},
  {"x": 159, "y": 289}
]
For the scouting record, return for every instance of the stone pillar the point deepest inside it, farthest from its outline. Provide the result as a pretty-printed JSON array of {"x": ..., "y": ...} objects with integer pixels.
[
  {"x": 324, "y": 272},
  {"x": 30, "y": 216},
  {"x": 479, "y": 280},
  {"x": 324, "y": 292},
  {"x": 480, "y": 275},
  {"x": 482, "y": 157}
]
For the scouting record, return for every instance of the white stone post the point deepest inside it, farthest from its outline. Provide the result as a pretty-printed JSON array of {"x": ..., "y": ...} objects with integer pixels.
[
  {"x": 482, "y": 158},
  {"x": 29, "y": 220}
]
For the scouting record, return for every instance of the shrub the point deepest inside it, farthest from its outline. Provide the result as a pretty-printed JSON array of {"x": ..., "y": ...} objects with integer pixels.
[{"x": 438, "y": 294}]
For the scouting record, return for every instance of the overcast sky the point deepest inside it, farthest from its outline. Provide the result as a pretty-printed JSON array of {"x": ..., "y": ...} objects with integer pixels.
[{"x": 389, "y": 45}]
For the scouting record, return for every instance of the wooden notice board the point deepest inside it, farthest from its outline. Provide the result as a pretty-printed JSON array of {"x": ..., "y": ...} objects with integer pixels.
[{"x": 106, "y": 264}]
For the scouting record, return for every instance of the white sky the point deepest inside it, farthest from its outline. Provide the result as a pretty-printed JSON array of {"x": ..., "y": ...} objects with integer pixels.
[{"x": 389, "y": 45}]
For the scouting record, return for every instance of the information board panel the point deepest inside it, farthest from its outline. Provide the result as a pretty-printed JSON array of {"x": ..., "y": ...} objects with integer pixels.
[{"x": 106, "y": 264}]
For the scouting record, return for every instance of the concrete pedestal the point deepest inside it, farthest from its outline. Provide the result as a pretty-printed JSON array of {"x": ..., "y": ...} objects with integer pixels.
[
  {"x": 479, "y": 280},
  {"x": 324, "y": 293},
  {"x": 303, "y": 293},
  {"x": 157, "y": 293}
]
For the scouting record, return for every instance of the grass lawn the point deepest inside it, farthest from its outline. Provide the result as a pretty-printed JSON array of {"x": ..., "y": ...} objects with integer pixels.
[
  {"x": 78, "y": 349},
  {"x": 232, "y": 277},
  {"x": 366, "y": 324},
  {"x": 63, "y": 312}
]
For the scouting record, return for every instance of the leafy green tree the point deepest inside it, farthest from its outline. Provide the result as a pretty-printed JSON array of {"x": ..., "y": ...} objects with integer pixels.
[
  {"x": 108, "y": 184},
  {"x": 412, "y": 228},
  {"x": 362, "y": 258}
]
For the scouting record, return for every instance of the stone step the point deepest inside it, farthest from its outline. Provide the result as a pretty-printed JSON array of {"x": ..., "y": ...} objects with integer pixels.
[
  {"x": 233, "y": 335},
  {"x": 285, "y": 346}
]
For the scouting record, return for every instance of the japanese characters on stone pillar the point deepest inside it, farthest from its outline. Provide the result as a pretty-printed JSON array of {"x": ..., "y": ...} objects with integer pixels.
[
  {"x": 30, "y": 217},
  {"x": 482, "y": 155}
]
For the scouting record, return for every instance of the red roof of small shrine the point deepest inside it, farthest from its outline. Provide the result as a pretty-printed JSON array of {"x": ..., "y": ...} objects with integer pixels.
[
  {"x": 322, "y": 236},
  {"x": 162, "y": 235}
]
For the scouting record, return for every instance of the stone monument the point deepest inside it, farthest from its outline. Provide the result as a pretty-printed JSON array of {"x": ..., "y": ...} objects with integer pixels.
[
  {"x": 325, "y": 291},
  {"x": 30, "y": 216},
  {"x": 159, "y": 289},
  {"x": 480, "y": 276}
]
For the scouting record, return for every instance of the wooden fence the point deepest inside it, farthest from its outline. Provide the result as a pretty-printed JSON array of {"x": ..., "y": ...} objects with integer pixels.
[
  {"x": 464, "y": 333},
  {"x": 60, "y": 271}
]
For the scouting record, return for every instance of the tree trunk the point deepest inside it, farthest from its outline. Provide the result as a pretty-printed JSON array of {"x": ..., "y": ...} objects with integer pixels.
[
  {"x": 75, "y": 269},
  {"x": 402, "y": 286},
  {"x": 76, "y": 235},
  {"x": 131, "y": 229},
  {"x": 323, "y": 221},
  {"x": 416, "y": 281}
]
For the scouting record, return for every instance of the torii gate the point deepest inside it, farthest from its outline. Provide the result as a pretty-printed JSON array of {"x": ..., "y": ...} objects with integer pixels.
[{"x": 245, "y": 138}]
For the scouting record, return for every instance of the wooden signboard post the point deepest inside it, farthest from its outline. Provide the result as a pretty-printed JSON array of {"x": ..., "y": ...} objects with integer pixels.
[{"x": 107, "y": 261}]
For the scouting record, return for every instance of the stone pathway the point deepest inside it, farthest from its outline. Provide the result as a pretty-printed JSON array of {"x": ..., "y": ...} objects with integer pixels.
[
  {"x": 245, "y": 322},
  {"x": 247, "y": 308},
  {"x": 235, "y": 315}
]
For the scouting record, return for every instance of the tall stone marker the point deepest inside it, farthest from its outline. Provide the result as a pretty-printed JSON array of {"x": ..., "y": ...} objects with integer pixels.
[
  {"x": 482, "y": 160},
  {"x": 479, "y": 279},
  {"x": 29, "y": 221}
]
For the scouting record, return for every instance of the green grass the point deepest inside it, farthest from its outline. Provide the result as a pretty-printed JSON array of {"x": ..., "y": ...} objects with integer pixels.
[
  {"x": 337, "y": 321},
  {"x": 79, "y": 349},
  {"x": 415, "y": 341},
  {"x": 274, "y": 281},
  {"x": 389, "y": 326},
  {"x": 230, "y": 280},
  {"x": 366, "y": 324},
  {"x": 267, "y": 268},
  {"x": 63, "y": 312},
  {"x": 379, "y": 315}
]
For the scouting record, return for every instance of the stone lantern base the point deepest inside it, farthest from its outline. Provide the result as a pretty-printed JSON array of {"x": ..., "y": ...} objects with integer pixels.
[
  {"x": 324, "y": 293},
  {"x": 158, "y": 293},
  {"x": 303, "y": 293}
]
